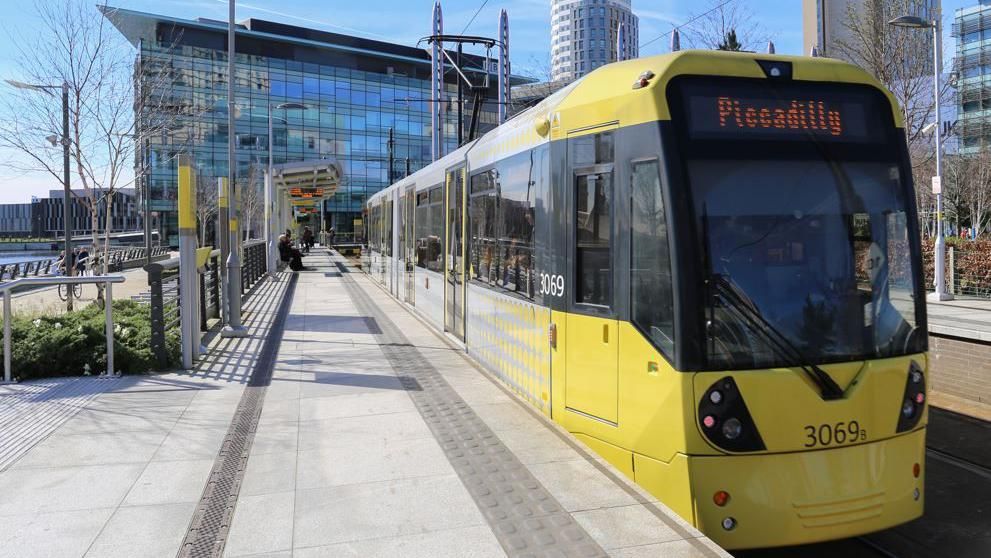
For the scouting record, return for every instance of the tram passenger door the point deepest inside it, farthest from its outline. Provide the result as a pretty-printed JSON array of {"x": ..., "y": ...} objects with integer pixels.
[
  {"x": 592, "y": 362},
  {"x": 409, "y": 246},
  {"x": 454, "y": 316}
]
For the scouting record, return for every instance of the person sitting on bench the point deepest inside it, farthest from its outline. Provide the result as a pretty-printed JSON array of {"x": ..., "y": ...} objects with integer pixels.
[{"x": 289, "y": 254}]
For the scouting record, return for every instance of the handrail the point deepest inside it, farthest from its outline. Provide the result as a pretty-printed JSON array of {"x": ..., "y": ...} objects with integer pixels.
[
  {"x": 59, "y": 280},
  {"x": 108, "y": 280}
]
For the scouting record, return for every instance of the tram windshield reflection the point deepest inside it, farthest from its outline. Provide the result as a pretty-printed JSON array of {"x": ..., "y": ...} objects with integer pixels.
[{"x": 820, "y": 250}]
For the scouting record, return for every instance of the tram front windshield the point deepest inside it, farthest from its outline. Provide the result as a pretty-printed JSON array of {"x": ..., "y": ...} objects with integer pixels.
[{"x": 804, "y": 243}]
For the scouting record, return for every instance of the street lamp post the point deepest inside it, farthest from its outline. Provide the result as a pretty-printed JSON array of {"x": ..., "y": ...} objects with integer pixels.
[
  {"x": 67, "y": 193},
  {"x": 270, "y": 234},
  {"x": 915, "y": 22}
]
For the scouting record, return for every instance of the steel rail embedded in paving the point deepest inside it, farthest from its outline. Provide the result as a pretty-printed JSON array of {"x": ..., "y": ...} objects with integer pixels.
[
  {"x": 525, "y": 518},
  {"x": 211, "y": 521}
]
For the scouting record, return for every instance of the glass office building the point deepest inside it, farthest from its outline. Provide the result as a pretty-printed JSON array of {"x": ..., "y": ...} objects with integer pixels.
[
  {"x": 354, "y": 91},
  {"x": 972, "y": 29}
]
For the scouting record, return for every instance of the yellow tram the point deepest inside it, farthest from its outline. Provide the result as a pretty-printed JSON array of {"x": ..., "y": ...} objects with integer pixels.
[{"x": 706, "y": 266}]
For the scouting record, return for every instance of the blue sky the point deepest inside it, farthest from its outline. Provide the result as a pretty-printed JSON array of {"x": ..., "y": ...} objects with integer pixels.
[{"x": 405, "y": 21}]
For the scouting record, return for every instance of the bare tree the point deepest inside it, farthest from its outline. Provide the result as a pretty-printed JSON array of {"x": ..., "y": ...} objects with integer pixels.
[
  {"x": 977, "y": 189},
  {"x": 901, "y": 59},
  {"x": 206, "y": 205},
  {"x": 76, "y": 44},
  {"x": 713, "y": 23},
  {"x": 252, "y": 200}
]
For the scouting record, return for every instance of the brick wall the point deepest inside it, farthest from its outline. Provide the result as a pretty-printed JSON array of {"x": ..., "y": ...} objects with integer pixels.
[{"x": 960, "y": 367}]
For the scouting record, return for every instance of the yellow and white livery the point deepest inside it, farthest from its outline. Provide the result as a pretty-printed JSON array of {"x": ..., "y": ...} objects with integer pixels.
[{"x": 704, "y": 265}]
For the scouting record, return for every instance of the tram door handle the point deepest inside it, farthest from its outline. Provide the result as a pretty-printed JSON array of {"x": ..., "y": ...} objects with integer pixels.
[{"x": 605, "y": 333}]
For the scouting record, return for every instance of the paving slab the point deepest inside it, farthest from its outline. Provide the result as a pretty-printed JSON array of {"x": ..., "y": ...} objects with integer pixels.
[
  {"x": 121, "y": 465},
  {"x": 378, "y": 438},
  {"x": 373, "y": 437}
]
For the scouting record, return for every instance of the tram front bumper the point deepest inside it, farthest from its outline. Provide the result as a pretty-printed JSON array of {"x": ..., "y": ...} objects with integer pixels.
[{"x": 805, "y": 497}]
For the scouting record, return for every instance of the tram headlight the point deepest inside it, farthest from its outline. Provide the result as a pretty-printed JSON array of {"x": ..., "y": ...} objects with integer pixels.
[
  {"x": 913, "y": 400},
  {"x": 908, "y": 409},
  {"x": 725, "y": 420},
  {"x": 732, "y": 429}
]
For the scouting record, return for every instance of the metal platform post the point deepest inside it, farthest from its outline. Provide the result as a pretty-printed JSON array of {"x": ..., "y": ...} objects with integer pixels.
[{"x": 189, "y": 321}]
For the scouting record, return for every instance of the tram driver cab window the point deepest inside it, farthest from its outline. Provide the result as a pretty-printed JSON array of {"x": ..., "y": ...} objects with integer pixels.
[{"x": 591, "y": 159}]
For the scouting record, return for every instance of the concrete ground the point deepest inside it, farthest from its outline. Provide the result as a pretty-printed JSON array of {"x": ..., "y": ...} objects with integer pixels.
[{"x": 374, "y": 437}]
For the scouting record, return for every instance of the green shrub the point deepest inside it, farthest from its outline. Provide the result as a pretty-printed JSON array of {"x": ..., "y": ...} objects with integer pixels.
[{"x": 75, "y": 343}]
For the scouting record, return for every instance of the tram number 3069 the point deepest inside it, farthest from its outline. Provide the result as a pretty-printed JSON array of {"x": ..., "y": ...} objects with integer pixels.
[
  {"x": 551, "y": 284},
  {"x": 830, "y": 434}
]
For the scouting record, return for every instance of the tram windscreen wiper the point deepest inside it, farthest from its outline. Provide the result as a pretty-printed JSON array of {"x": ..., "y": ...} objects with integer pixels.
[{"x": 742, "y": 305}]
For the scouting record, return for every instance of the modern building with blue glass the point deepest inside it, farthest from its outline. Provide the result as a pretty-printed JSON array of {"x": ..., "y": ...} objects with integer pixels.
[
  {"x": 972, "y": 29},
  {"x": 333, "y": 96}
]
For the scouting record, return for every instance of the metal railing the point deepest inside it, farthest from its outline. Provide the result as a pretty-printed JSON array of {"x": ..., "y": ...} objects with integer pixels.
[
  {"x": 27, "y": 282},
  {"x": 163, "y": 296},
  {"x": 120, "y": 259},
  {"x": 253, "y": 266},
  {"x": 165, "y": 286}
]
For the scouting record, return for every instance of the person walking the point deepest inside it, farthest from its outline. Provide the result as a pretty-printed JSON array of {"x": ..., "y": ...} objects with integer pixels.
[{"x": 307, "y": 239}]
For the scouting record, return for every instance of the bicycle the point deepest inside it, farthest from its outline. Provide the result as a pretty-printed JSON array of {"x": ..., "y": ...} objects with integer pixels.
[{"x": 66, "y": 290}]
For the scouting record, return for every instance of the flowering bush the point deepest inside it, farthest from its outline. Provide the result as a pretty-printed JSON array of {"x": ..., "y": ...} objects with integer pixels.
[{"x": 75, "y": 343}]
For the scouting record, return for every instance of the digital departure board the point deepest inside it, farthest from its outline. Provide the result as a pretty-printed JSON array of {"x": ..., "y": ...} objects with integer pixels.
[{"x": 746, "y": 110}]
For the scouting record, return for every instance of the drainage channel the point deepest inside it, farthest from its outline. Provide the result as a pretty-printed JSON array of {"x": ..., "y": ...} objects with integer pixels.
[
  {"x": 525, "y": 518},
  {"x": 211, "y": 522}
]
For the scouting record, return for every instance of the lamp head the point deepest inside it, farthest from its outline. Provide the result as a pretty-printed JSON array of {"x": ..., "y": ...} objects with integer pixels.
[
  {"x": 911, "y": 22},
  {"x": 298, "y": 106}
]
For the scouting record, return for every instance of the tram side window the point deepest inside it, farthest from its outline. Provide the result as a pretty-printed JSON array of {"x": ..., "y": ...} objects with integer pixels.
[
  {"x": 593, "y": 260},
  {"x": 516, "y": 179},
  {"x": 651, "y": 293},
  {"x": 387, "y": 228},
  {"x": 501, "y": 222},
  {"x": 421, "y": 232},
  {"x": 434, "y": 249},
  {"x": 373, "y": 234},
  {"x": 484, "y": 264},
  {"x": 591, "y": 157}
]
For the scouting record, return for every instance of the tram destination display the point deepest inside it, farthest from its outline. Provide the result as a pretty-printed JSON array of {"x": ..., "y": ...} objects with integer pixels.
[{"x": 744, "y": 111}]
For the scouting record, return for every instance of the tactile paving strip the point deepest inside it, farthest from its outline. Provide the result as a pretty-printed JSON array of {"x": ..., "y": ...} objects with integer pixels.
[
  {"x": 526, "y": 519},
  {"x": 211, "y": 521}
]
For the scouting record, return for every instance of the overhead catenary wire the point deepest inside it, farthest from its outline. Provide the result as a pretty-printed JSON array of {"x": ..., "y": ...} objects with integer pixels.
[
  {"x": 472, "y": 20},
  {"x": 689, "y": 22}
]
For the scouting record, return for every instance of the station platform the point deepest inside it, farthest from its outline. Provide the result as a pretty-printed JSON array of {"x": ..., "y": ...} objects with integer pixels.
[{"x": 342, "y": 426}]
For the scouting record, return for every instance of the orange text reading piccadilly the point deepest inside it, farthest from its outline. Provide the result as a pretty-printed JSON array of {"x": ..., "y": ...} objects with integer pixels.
[{"x": 799, "y": 115}]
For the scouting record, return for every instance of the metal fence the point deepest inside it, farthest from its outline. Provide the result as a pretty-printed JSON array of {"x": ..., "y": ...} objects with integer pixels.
[
  {"x": 25, "y": 283},
  {"x": 120, "y": 259},
  {"x": 164, "y": 288}
]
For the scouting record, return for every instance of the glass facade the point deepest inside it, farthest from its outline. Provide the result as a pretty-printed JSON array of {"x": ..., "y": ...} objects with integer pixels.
[
  {"x": 972, "y": 29},
  {"x": 352, "y": 98}
]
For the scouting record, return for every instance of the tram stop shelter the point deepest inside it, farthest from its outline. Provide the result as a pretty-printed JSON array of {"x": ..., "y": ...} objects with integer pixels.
[
  {"x": 297, "y": 189},
  {"x": 300, "y": 188}
]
